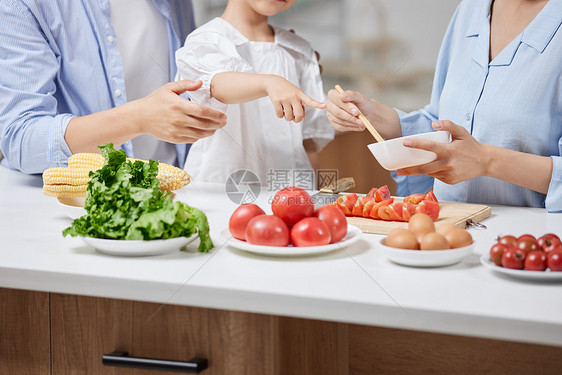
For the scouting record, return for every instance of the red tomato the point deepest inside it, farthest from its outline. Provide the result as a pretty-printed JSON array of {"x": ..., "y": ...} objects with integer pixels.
[
  {"x": 554, "y": 260},
  {"x": 554, "y": 244},
  {"x": 368, "y": 207},
  {"x": 346, "y": 203},
  {"x": 414, "y": 198},
  {"x": 429, "y": 208},
  {"x": 513, "y": 258},
  {"x": 375, "y": 211},
  {"x": 548, "y": 240},
  {"x": 268, "y": 230},
  {"x": 526, "y": 236},
  {"x": 535, "y": 261},
  {"x": 382, "y": 193},
  {"x": 496, "y": 253},
  {"x": 372, "y": 193},
  {"x": 358, "y": 206},
  {"x": 292, "y": 204},
  {"x": 240, "y": 218},
  {"x": 508, "y": 240},
  {"x": 408, "y": 210},
  {"x": 310, "y": 231},
  {"x": 429, "y": 196},
  {"x": 334, "y": 220},
  {"x": 397, "y": 209},
  {"x": 527, "y": 244}
]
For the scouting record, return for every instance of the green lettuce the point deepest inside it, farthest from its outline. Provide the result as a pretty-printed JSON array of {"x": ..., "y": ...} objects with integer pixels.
[{"x": 123, "y": 202}]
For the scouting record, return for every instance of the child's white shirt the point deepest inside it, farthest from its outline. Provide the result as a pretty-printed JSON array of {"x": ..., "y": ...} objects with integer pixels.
[{"x": 253, "y": 138}]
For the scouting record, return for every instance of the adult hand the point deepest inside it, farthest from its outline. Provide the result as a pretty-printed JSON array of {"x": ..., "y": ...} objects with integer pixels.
[
  {"x": 165, "y": 115},
  {"x": 343, "y": 108},
  {"x": 462, "y": 159}
]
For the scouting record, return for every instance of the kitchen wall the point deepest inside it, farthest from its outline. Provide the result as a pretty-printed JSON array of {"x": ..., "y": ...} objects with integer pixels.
[{"x": 386, "y": 49}]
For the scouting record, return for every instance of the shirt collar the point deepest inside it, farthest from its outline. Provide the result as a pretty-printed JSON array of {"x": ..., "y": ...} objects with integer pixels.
[{"x": 541, "y": 30}]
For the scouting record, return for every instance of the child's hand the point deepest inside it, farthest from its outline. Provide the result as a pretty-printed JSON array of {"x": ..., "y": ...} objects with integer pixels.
[{"x": 288, "y": 99}]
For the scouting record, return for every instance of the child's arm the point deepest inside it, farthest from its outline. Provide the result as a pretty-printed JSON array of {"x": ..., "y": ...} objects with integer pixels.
[{"x": 288, "y": 100}]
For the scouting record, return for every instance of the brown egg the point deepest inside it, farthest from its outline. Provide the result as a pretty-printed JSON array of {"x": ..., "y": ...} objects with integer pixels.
[
  {"x": 458, "y": 238},
  {"x": 434, "y": 241},
  {"x": 402, "y": 240},
  {"x": 421, "y": 235},
  {"x": 396, "y": 231},
  {"x": 421, "y": 223},
  {"x": 446, "y": 228}
]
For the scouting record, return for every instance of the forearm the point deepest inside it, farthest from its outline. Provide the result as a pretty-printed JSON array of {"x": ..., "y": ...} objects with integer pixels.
[
  {"x": 530, "y": 171},
  {"x": 117, "y": 125},
  {"x": 236, "y": 87},
  {"x": 385, "y": 119}
]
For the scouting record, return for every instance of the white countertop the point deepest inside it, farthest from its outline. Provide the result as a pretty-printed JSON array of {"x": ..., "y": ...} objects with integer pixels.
[{"x": 357, "y": 285}]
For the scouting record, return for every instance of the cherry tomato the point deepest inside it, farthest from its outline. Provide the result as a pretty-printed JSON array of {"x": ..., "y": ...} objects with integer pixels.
[
  {"x": 496, "y": 253},
  {"x": 240, "y": 218},
  {"x": 292, "y": 204},
  {"x": 334, "y": 220},
  {"x": 513, "y": 258},
  {"x": 554, "y": 244},
  {"x": 535, "y": 261},
  {"x": 267, "y": 230},
  {"x": 547, "y": 240},
  {"x": 508, "y": 240},
  {"x": 554, "y": 260},
  {"x": 526, "y": 236},
  {"x": 310, "y": 231},
  {"x": 527, "y": 244}
]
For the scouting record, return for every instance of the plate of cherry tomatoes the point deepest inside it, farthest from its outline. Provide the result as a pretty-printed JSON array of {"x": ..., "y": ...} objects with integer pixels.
[
  {"x": 295, "y": 228},
  {"x": 526, "y": 257}
]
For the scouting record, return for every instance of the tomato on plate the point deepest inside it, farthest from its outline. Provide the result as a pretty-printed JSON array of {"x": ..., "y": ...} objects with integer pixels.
[
  {"x": 535, "y": 261},
  {"x": 496, "y": 253},
  {"x": 527, "y": 244},
  {"x": 548, "y": 241},
  {"x": 513, "y": 258},
  {"x": 335, "y": 221},
  {"x": 508, "y": 240},
  {"x": 292, "y": 204},
  {"x": 346, "y": 203},
  {"x": 310, "y": 231},
  {"x": 240, "y": 218},
  {"x": 267, "y": 230},
  {"x": 526, "y": 236},
  {"x": 429, "y": 208},
  {"x": 554, "y": 259}
]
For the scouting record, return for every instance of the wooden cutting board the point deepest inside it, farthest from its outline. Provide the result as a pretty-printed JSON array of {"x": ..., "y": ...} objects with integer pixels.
[{"x": 450, "y": 212}]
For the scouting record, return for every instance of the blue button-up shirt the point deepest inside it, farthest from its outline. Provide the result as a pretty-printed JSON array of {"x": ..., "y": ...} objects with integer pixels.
[
  {"x": 59, "y": 59},
  {"x": 514, "y": 101}
]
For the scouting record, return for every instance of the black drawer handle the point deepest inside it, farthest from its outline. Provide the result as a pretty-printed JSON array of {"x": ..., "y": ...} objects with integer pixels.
[{"x": 122, "y": 359}]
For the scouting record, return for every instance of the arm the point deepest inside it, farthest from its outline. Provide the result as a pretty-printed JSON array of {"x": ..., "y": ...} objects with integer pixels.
[
  {"x": 163, "y": 114},
  {"x": 238, "y": 87},
  {"x": 465, "y": 158}
]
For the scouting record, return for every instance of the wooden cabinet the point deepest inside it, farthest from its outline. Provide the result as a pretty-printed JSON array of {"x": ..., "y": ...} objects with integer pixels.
[
  {"x": 80, "y": 330},
  {"x": 24, "y": 333}
]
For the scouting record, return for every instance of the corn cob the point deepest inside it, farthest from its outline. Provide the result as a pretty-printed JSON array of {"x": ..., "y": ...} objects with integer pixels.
[
  {"x": 86, "y": 160},
  {"x": 66, "y": 176},
  {"x": 65, "y": 191}
]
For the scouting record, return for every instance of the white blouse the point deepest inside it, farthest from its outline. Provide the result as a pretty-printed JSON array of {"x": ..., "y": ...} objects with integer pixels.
[{"x": 253, "y": 138}]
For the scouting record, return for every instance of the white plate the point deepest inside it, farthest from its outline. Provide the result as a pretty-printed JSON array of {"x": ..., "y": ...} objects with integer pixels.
[
  {"x": 137, "y": 248},
  {"x": 72, "y": 207},
  {"x": 522, "y": 274},
  {"x": 425, "y": 258},
  {"x": 353, "y": 234}
]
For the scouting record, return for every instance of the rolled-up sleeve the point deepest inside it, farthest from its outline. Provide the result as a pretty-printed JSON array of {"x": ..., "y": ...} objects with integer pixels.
[
  {"x": 205, "y": 55},
  {"x": 31, "y": 131},
  {"x": 553, "y": 202}
]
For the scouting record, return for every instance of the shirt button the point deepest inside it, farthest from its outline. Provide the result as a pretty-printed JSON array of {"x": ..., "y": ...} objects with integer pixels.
[
  {"x": 117, "y": 93},
  {"x": 110, "y": 39},
  {"x": 468, "y": 117}
]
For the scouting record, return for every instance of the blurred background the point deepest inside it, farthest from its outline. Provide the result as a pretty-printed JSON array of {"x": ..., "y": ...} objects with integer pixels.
[{"x": 386, "y": 49}]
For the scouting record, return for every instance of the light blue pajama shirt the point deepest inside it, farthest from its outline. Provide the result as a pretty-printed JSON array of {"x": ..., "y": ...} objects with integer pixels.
[{"x": 514, "y": 101}]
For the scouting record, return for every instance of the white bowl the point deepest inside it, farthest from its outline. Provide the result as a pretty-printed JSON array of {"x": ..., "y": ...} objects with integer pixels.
[
  {"x": 425, "y": 258},
  {"x": 72, "y": 207},
  {"x": 392, "y": 154}
]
